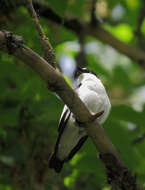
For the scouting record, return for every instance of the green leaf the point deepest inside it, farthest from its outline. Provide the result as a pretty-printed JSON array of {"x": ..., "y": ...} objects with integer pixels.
[
  {"x": 9, "y": 117},
  {"x": 77, "y": 7},
  {"x": 122, "y": 139},
  {"x": 95, "y": 65},
  {"x": 126, "y": 113},
  {"x": 121, "y": 78},
  {"x": 123, "y": 32},
  {"x": 58, "y": 7},
  {"x": 133, "y": 4},
  {"x": 70, "y": 180},
  {"x": 143, "y": 27}
]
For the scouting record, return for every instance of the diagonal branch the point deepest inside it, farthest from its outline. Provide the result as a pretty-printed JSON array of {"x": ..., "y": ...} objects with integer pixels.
[
  {"x": 56, "y": 83},
  {"x": 46, "y": 46},
  {"x": 134, "y": 53},
  {"x": 94, "y": 30},
  {"x": 138, "y": 32},
  {"x": 139, "y": 139},
  {"x": 93, "y": 12}
]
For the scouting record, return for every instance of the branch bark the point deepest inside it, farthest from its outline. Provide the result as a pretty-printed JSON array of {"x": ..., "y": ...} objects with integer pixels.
[
  {"x": 46, "y": 46},
  {"x": 134, "y": 53},
  {"x": 94, "y": 30},
  {"x": 138, "y": 32},
  {"x": 86, "y": 28},
  {"x": 56, "y": 83}
]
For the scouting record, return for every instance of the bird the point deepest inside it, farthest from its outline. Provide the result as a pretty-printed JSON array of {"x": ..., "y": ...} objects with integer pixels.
[{"x": 72, "y": 136}]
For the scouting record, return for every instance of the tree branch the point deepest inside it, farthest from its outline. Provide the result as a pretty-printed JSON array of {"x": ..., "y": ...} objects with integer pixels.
[
  {"x": 94, "y": 30},
  {"x": 134, "y": 53},
  {"x": 56, "y": 83},
  {"x": 139, "y": 139},
  {"x": 138, "y": 32},
  {"x": 46, "y": 46},
  {"x": 93, "y": 12}
]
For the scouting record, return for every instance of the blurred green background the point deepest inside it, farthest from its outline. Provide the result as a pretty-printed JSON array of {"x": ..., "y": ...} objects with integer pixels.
[{"x": 29, "y": 113}]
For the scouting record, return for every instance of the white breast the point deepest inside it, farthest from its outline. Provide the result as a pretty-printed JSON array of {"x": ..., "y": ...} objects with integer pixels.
[{"x": 93, "y": 94}]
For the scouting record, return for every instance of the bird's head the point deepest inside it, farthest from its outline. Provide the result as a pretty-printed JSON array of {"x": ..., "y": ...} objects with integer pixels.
[
  {"x": 86, "y": 74},
  {"x": 85, "y": 70}
]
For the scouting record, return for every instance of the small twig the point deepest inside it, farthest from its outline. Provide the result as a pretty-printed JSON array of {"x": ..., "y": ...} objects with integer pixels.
[
  {"x": 139, "y": 24},
  {"x": 139, "y": 139},
  {"x": 92, "y": 119},
  {"x": 96, "y": 115},
  {"x": 93, "y": 12},
  {"x": 81, "y": 57},
  {"x": 49, "y": 55}
]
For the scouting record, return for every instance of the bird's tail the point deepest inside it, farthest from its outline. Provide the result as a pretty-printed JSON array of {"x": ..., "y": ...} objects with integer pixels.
[{"x": 55, "y": 163}]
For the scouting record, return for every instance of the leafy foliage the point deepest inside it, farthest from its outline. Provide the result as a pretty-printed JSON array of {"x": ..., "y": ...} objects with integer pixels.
[{"x": 29, "y": 113}]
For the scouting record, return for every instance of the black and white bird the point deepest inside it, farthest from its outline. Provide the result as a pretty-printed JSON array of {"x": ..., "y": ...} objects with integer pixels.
[{"x": 71, "y": 136}]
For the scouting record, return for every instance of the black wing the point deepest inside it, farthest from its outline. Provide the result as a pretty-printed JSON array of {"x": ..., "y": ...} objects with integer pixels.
[
  {"x": 62, "y": 124},
  {"x": 63, "y": 121},
  {"x": 76, "y": 148},
  {"x": 54, "y": 162}
]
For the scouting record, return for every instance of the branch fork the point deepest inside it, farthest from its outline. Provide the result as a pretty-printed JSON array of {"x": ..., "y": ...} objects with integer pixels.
[
  {"x": 92, "y": 118},
  {"x": 13, "y": 42}
]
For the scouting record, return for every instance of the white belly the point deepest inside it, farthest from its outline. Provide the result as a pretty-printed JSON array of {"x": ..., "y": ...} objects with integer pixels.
[{"x": 69, "y": 139}]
